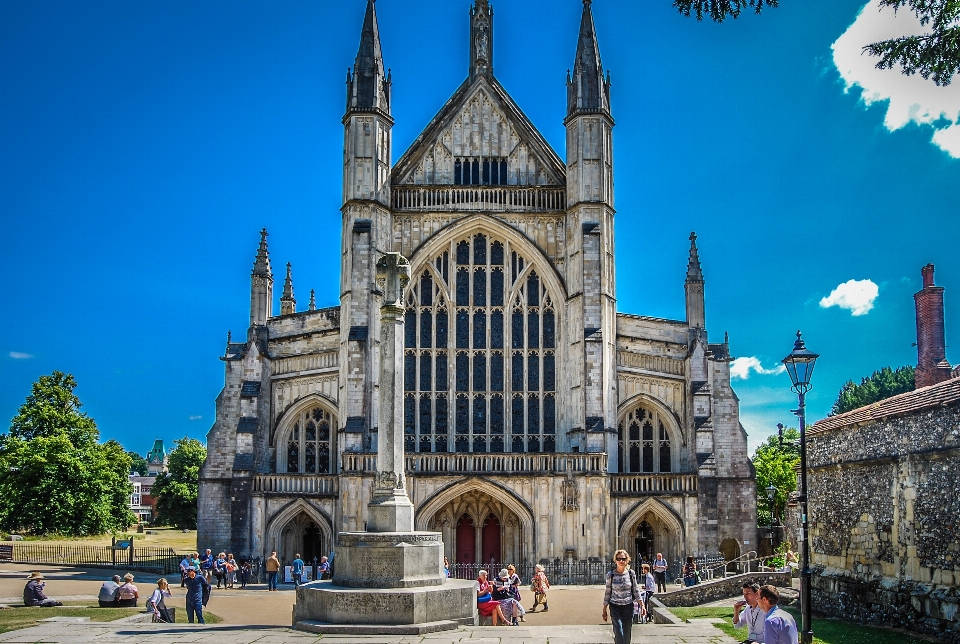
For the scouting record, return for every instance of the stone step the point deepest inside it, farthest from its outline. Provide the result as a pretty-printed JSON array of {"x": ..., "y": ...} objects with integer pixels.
[{"x": 376, "y": 629}]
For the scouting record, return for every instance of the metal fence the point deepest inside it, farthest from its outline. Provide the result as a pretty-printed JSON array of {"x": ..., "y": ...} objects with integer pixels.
[{"x": 158, "y": 560}]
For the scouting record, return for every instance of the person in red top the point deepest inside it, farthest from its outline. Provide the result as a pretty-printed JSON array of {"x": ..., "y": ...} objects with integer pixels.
[{"x": 486, "y": 605}]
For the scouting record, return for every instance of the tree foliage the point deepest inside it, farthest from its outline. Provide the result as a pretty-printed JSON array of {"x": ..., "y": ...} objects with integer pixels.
[
  {"x": 138, "y": 464},
  {"x": 776, "y": 464},
  {"x": 879, "y": 386},
  {"x": 718, "y": 10},
  {"x": 176, "y": 490},
  {"x": 934, "y": 55},
  {"x": 55, "y": 477}
]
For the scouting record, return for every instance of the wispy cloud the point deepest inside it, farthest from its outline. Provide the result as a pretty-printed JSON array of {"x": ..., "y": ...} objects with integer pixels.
[
  {"x": 195, "y": 418},
  {"x": 857, "y": 296},
  {"x": 17, "y": 355},
  {"x": 741, "y": 368},
  {"x": 911, "y": 98}
]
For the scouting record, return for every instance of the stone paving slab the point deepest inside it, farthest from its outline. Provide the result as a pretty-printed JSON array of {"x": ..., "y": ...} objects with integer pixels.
[{"x": 111, "y": 633}]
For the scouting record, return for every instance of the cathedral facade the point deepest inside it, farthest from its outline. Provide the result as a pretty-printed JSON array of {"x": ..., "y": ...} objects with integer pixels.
[{"x": 539, "y": 422}]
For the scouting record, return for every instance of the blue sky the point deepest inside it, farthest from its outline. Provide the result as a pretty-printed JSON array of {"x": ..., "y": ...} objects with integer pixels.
[{"x": 143, "y": 145}]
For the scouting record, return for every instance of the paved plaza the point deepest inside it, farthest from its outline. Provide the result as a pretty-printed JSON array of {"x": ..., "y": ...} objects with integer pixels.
[
  {"x": 111, "y": 633},
  {"x": 254, "y": 615}
]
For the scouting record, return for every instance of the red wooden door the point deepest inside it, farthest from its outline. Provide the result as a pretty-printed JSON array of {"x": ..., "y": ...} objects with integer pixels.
[
  {"x": 466, "y": 541},
  {"x": 490, "y": 542}
]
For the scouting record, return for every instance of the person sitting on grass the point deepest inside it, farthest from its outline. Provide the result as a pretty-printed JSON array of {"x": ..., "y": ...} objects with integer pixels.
[
  {"x": 33, "y": 592},
  {"x": 128, "y": 593},
  {"x": 108, "y": 593}
]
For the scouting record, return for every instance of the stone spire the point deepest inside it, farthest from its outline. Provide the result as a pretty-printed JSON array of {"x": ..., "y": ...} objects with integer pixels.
[
  {"x": 368, "y": 87},
  {"x": 587, "y": 89},
  {"x": 313, "y": 301},
  {"x": 261, "y": 285},
  {"x": 481, "y": 39},
  {"x": 693, "y": 286},
  {"x": 261, "y": 265},
  {"x": 288, "y": 303}
]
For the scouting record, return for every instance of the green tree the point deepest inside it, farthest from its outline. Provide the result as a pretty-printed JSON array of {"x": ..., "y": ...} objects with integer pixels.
[
  {"x": 176, "y": 490},
  {"x": 55, "y": 477},
  {"x": 775, "y": 464},
  {"x": 879, "y": 386},
  {"x": 138, "y": 464},
  {"x": 934, "y": 55}
]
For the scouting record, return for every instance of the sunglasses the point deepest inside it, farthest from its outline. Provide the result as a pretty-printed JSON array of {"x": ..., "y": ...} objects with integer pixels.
[{"x": 621, "y": 558}]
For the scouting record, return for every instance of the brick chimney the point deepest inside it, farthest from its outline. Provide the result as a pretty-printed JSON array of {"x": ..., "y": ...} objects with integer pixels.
[{"x": 932, "y": 365}]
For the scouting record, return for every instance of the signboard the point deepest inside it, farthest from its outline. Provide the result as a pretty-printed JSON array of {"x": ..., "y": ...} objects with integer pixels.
[
  {"x": 6, "y": 553},
  {"x": 304, "y": 578}
]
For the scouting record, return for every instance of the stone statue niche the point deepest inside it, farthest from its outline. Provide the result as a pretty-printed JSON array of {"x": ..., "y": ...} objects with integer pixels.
[{"x": 388, "y": 579}]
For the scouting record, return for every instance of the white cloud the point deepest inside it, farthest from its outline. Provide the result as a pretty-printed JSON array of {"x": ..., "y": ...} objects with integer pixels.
[
  {"x": 857, "y": 296},
  {"x": 16, "y": 355},
  {"x": 741, "y": 368},
  {"x": 195, "y": 418},
  {"x": 911, "y": 98}
]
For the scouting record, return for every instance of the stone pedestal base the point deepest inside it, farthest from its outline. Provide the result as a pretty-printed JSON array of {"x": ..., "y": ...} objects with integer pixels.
[
  {"x": 324, "y": 608},
  {"x": 389, "y": 560}
]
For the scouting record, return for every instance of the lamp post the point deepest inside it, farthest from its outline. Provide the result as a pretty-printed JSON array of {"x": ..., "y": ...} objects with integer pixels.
[
  {"x": 799, "y": 366},
  {"x": 771, "y": 495}
]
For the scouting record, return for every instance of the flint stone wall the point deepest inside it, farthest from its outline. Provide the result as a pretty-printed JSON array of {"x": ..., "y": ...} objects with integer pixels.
[{"x": 885, "y": 520}]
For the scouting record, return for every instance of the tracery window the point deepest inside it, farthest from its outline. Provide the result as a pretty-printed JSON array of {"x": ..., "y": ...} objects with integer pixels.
[
  {"x": 308, "y": 444},
  {"x": 645, "y": 442},
  {"x": 480, "y": 363}
]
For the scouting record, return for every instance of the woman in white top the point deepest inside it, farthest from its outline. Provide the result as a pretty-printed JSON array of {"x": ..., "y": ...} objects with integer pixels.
[{"x": 156, "y": 602}]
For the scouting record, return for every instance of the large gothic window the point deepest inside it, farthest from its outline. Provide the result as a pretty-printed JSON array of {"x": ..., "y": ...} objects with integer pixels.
[
  {"x": 480, "y": 363},
  {"x": 645, "y": 442},
  {"x": 307, "y": 447}
]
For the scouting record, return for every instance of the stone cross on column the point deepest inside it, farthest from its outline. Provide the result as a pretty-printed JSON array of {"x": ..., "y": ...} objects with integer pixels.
[{"x": 391, "y": 509}]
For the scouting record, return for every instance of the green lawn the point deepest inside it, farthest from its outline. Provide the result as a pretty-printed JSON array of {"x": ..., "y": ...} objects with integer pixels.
[
  {"x": 12, "y": 619},
  {"x": 825, "y": 631}
]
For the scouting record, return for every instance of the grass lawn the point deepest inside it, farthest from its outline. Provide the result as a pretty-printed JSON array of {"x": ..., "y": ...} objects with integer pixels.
[
  {"x": 12, "y": 619},
  {"x": 164, "y": 538},
  {"x": 825, "y": 631}
]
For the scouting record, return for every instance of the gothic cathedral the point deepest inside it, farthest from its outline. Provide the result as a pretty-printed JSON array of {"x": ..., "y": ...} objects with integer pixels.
[{"x": 539, "y": 422}]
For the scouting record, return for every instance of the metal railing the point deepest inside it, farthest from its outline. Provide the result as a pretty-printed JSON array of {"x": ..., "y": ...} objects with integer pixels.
[
  {"x": 506, "y": 463},
  {"x": 482, "y": 198},
  {"x": 706, "y": 565},
  {"x": 636, "y": 484},
  {"x": 158, "y": 560},
  {"x": 310, "y": 484}
]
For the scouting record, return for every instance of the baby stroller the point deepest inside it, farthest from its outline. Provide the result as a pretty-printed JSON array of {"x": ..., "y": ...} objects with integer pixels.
[{"x": 640, "y": 615}]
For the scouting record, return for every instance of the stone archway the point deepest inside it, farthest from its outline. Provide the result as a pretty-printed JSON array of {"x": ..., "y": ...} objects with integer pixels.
[
  {"x": 653, "y": 526},
  {"x": 299, "y": 528},
  {"x": 479, "y": 520}
]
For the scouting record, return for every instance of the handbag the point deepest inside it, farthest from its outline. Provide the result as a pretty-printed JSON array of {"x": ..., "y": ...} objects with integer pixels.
[{"x": 483, "y": 599}]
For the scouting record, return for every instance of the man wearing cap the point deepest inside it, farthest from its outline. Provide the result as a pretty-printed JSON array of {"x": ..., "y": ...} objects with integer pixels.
[{"x": 33, "y": 592}]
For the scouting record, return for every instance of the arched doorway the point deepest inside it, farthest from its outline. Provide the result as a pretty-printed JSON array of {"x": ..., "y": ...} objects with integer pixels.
[
  {"x": 301, "y": 535},
  {"x": 466, "y": 541},
  {"x": 645, "y": 543},
  {"x": 730, "y": 549}
]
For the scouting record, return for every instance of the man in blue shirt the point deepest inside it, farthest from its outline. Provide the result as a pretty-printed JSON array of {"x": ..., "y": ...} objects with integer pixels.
[
  {"x": 296, "y": 569},
  {"x": 195, "y": 590},
  {"x": 206, "y": 564},
  {"x": 779, "y": 627},
  {"x": 323, "y": 572}
]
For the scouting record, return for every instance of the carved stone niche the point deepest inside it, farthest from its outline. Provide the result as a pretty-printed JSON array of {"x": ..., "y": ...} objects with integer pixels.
[{"x": 570, "y": 494}]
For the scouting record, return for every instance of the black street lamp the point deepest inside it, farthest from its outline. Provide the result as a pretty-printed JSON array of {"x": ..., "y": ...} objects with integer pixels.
[
  {"x": 800, "y": 365},
  {"x": 771, "y": 495}
]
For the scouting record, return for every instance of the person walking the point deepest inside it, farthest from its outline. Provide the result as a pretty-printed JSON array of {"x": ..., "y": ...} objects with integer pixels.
[
  {"x": 296, "y": 570},
  {"x": 196, "y": 585},
  {"x": 690, "y": 576},
  {"x": 747, "y": 613},
  {"x": 156, "y": 603},
  {"x": 515, "y": 587},
  {"x": 540, "y": 585},
  {"x": 649, "y": 588},
  {"x": 273, "y": 570},
  {"x": 206, "y": 564},
  {"x": 779, "y": 627},
  {"x": 660, "y": 567},
  {"x": 231, "y": 567},
  {"x": 108, "y": 593},
  {"x": 245, "y": 571},
  {"x": 185, "y": 565},
  {"x": 620, "y": 594},
  {"x": 324, "y": 570}
]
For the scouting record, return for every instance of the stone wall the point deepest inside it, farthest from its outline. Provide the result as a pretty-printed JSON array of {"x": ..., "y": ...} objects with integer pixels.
[
  {"x": 712, "y": 591},
  {"x": 885, "y": 517}
]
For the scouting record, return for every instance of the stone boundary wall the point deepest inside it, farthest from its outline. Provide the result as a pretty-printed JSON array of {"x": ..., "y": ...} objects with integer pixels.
[
  {"x": 716, "y": 590},
  {"x": 885, "y": 520}
]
